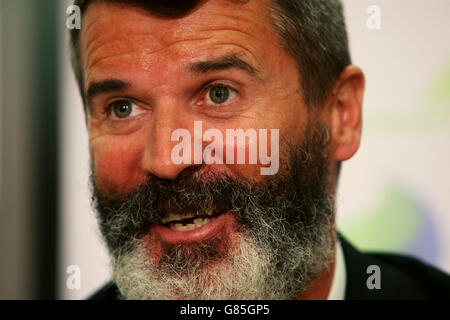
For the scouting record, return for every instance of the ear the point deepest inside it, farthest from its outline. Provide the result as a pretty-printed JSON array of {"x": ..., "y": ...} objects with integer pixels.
[{"x": 346, "y": 113}]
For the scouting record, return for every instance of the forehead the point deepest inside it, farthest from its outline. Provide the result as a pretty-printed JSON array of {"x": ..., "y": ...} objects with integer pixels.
[{"x": 116, "y": 36}]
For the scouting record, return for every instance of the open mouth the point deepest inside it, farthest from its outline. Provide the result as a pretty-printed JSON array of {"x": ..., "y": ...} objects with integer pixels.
[
  {"x": 189, "y": 221},
  {"x": 191, "y": 226}
]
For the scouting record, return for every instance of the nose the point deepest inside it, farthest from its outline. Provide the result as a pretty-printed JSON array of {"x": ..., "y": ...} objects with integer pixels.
[{"x": 157, "y": 156}]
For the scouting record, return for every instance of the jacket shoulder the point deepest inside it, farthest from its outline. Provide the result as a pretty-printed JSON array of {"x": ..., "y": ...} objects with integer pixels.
[
  {"x": 432, "y": 282},
  {"x": 401, "y": 277},
  {"x": 107, "y": 292}
]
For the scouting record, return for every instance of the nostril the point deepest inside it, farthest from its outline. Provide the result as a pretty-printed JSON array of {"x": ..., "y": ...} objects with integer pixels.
[{"x": 189, "y": 172}]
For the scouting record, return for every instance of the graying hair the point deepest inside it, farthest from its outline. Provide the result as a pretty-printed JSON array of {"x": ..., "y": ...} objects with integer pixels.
[{"x": 313, "y": 31}]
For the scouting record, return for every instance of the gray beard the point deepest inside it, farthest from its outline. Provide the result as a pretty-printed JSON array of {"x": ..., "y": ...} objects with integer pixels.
[
  {"x": 253, "y": 270},
  {"x": 284, "y": 226},
  {"x": 247, "y": 275}
]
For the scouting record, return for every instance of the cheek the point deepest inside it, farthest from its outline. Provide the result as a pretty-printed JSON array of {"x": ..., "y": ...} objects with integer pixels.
[{"x": 116, "y": 164}]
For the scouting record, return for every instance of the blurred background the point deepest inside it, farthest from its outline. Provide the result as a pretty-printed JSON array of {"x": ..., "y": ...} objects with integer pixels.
[{"x": 394, "y": 195}]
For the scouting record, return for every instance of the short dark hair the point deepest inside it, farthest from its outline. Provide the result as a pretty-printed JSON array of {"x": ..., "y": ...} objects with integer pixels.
[{"x": 313, "y": 31}]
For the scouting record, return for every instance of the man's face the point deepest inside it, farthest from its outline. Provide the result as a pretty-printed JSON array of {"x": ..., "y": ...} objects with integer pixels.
[{"x": 223, "y": 65}]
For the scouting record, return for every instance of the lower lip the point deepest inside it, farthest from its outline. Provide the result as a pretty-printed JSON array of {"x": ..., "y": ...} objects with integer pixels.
[{"x": 204, "y": 232}]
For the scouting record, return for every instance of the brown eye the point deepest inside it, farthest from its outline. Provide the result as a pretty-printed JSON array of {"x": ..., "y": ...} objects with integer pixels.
[
  {"x": 219, "y": 94},
  {"x": 122, "y": 109}
]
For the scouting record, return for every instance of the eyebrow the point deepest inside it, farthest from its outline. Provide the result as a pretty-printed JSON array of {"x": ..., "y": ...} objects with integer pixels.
[
  {"x": 105, "y": 86},
  {"x": 223, "y": 63},
  {"x": 232, "y": 61}
]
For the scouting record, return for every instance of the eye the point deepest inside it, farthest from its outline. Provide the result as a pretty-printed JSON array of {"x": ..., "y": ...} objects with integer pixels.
[
  {"x": 124, "y": 109},
  {"x": 219, "y": 94}
]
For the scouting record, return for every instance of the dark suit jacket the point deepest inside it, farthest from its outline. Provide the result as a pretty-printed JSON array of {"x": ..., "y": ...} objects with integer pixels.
[{"x": 401, "y": 278}]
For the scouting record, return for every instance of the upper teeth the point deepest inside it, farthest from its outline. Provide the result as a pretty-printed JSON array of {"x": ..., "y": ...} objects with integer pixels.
[
  {"x": 183, "y": 216},
  {"x": 191, "y": 226}
]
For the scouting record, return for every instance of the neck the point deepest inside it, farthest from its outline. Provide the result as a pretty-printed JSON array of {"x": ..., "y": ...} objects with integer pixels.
[{"x": 320, "y": 288}]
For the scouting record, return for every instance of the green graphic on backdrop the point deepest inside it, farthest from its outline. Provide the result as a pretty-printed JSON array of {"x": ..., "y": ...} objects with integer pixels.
[
  {"x": 433, "y": 115},
  {"x": 396, "y": 221},
  {"x": 440, "y": 90},
  {"x": 389, "y": 225}
]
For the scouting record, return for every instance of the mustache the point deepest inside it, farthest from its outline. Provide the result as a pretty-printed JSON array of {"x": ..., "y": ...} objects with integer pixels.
[
  {"x": 189, "y": 193},
  {"x": 125, "y": 217}
]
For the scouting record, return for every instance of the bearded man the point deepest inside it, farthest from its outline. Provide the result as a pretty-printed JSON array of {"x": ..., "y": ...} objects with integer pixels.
[{"x": 221, "y": 229}]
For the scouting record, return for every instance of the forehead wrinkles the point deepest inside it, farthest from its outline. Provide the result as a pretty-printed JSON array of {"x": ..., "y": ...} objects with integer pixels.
[
  {"x": 138, "y": 30},
  {"x": 175, "y": 58}
]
